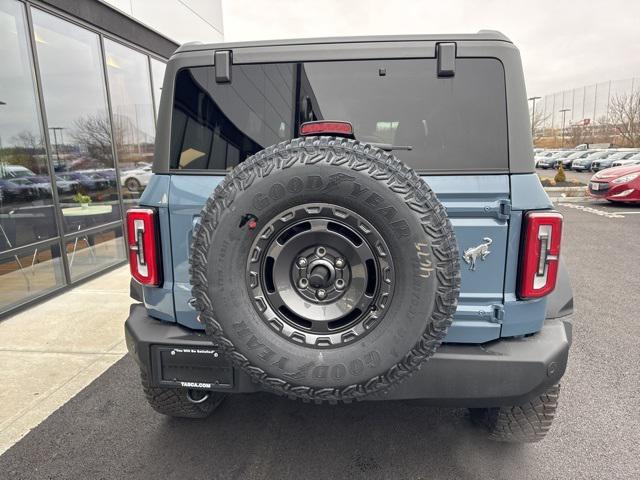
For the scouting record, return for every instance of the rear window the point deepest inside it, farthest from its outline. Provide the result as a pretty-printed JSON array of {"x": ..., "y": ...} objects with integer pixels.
[{"x": 451, "y": 124}]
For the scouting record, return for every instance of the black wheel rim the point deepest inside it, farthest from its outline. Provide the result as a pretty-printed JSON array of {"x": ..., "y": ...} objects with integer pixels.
[{"x": 320, "y": 275}]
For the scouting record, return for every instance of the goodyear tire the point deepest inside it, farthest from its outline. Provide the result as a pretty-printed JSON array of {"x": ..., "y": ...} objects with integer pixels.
[
  {"x": 176, "y": 402},
  {"x": 526, "y": 423},
  {"x": 326, "y": 269}
]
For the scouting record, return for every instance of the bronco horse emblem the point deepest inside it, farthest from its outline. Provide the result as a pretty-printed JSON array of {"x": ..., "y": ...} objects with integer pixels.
[{"x": 472, "y": 254}]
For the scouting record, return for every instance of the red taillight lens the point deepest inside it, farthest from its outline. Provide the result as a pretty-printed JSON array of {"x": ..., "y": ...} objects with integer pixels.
[
  {"x": 326, "y": 128},
  {"x": 144, "y": 254},
  {"x": 540, "y": 254}
]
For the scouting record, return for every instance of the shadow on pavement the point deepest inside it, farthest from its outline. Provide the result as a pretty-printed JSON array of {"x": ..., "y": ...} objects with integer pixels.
[{"x": 108, "y": 431}]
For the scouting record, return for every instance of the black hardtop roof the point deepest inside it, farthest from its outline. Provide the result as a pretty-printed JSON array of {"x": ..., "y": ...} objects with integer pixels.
[{"x": 482, "y": 35}]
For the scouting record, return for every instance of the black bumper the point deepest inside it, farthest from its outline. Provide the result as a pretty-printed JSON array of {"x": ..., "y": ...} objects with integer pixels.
[{"x": 504, "y": 372}]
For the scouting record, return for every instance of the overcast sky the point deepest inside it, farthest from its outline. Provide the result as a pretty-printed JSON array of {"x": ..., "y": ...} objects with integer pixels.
[{"x": 563, "y": 43}]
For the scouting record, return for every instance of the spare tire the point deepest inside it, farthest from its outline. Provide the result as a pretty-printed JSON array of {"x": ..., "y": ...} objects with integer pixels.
[{"x": 325, "y": 268}]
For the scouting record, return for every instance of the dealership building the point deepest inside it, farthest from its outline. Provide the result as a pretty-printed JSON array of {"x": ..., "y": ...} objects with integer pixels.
[{"x": 80, "y": 83}]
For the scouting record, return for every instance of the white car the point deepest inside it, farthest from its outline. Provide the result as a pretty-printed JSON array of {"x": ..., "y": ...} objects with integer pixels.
[
  {"x": 634, "y": 160},
  {"x": 136, "y": 179}
]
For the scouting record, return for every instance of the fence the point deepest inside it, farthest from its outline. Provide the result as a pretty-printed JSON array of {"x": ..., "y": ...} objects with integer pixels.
[{"x": 587, "y": 106}]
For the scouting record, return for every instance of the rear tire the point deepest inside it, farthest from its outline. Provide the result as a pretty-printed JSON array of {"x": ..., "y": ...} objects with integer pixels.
[
  {"x": 133, "y": 184},
  {"x": 526, "y": 423},
  {"x": 174, "y": 402}
]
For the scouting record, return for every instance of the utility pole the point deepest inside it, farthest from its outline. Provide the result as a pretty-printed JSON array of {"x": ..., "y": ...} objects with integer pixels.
[
  {"x": 533, "y": 113},
  {"x": 55, "y": 139},
  {"x": 564, "y": 113}
]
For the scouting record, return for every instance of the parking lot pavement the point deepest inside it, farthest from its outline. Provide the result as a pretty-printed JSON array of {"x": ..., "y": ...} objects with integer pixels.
[
  {"x": 108, "y": 431},
  {"x": 53, "y": 350}
]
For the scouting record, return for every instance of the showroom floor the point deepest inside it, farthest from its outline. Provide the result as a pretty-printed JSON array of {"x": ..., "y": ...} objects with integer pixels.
[{"x": 53, "y": 350}]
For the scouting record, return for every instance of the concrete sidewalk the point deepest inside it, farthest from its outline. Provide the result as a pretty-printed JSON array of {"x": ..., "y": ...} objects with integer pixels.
[{"x": 53, "y": 350}]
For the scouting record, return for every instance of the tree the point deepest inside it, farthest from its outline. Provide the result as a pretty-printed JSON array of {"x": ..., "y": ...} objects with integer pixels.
[
  {"x": 539, "y": 120},
  {"x": 624, "y": 117},
  {"x": 93, "y": 134},
  {"x": 579, "y": 134}
]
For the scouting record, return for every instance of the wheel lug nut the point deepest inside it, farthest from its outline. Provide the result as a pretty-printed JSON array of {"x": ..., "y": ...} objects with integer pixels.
[
  {"x": 339, "y": 263},
  {"x": 302, "y": 262},
  {"x": 303, "y": 283},
  {"x": 321, "y": 294}
]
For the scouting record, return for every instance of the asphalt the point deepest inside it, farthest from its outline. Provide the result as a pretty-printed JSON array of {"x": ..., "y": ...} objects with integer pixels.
[{"x": 107, "y": 430}]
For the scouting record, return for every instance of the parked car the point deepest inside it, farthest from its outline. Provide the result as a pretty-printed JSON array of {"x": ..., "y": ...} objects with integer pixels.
[
  {"x": 632, "y": 160},
  {"x": 544, "y": 154},
  {"x": 43, "y": 182},
  {"x": 14, "y": 171},
  {"x": 567, "y": 161},
  {"x": 617, "y": 184},
  {"x": 584, "y": 164},
  {"x": 12, "y": 189},
  {"x": 108, "y": 174},
  {"x": 136, "y": 179},
  {"x": 88, "y": 180},
  {"x": 321, "y": 266},
  {"x": 550, "y": 161},
  {"x": 608, "y": 162}
]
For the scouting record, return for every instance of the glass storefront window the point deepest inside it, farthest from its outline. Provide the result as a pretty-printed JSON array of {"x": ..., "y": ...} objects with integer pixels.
[
  {"x": 133, "y": 121},
  {"x": 88, "y": 253},
  {"x": 60, "y": 202},
  {"x": 29, "y": 274},
  {"x": 157, "y": 76},
  {"x": 74, "y": 90},
  {"x": 26, "y": 206}
]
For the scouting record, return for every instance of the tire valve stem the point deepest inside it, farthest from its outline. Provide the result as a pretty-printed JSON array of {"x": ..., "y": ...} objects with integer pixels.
[{"x": 250, "y": 220}]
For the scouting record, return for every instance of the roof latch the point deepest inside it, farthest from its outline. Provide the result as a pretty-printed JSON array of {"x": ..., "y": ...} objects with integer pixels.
[
  {"x": 222, "y": 62},
  {"x": 446, "y": 53}
]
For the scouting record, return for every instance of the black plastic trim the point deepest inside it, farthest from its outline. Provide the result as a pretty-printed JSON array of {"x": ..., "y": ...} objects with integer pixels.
[{"x": 503, "y": 372}]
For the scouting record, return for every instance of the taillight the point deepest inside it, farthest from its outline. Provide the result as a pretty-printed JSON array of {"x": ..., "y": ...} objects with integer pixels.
[
  {"x": 540, "y": 254},
  {"x": 144, "y": 253},
  {"x": 324, "y": 127}
]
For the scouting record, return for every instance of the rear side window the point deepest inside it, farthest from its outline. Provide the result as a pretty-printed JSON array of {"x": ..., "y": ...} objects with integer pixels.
[{"x": 450, "y": 124}]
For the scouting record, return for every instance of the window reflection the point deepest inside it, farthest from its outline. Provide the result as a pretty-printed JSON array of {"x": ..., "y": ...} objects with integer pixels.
[
  {"x": 89, "y": 253},
  {"x": 29, "y": 274},
  {"x": 133, "y": 120},
  {"x": 395, "y": 103},
  {"x": 74, "y": 92},
  {"x": 26, "y": 210},
  {"x": 157, "y": 76}
]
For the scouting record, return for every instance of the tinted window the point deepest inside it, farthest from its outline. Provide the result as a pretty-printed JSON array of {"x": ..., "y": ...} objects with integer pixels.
[
  {"x": 80, "y": 131},
  {"x": 75, "y": 99},
  {"x": 450, "y": 124},
  {"x": 26, "y": 205},
  {"x": 134, "y": 130}
]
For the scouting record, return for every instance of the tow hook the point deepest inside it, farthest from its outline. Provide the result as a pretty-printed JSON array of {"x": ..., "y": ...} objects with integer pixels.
[{"x": 197, "y": 396}]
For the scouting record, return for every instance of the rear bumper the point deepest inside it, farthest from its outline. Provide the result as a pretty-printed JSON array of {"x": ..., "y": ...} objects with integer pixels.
[{"x": 503, "y": 372}]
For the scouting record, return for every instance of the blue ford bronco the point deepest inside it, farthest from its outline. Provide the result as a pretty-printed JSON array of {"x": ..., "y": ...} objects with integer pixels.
[{"x": 350, "y": 219}]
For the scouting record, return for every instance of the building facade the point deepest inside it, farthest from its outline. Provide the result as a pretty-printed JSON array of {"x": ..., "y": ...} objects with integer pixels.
[{"x": 80, "y": 84}]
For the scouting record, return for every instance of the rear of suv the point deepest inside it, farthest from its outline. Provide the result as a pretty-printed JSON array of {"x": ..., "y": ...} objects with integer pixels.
[{"x": 350, "y": 219}]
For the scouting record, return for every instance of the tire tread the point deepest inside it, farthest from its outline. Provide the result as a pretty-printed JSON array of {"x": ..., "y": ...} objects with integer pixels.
[{"x": 380, "y": 166}]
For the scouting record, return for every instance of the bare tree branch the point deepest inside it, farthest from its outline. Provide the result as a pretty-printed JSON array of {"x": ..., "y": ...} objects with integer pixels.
[{"x": 624, "y": 117}]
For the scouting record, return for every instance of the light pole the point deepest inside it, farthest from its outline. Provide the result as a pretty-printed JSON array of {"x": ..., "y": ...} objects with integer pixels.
[
  {"x": 55, "y": 139},
  {"x": 1, "y": 103},
  {"x": 564, "y": 113},
  {"x": 533, "y": 113}
]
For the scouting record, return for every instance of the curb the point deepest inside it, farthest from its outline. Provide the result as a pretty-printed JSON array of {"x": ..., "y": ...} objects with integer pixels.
[
  {"x": 571, "y": 199},
  {"x": 566, "y": 191}
]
